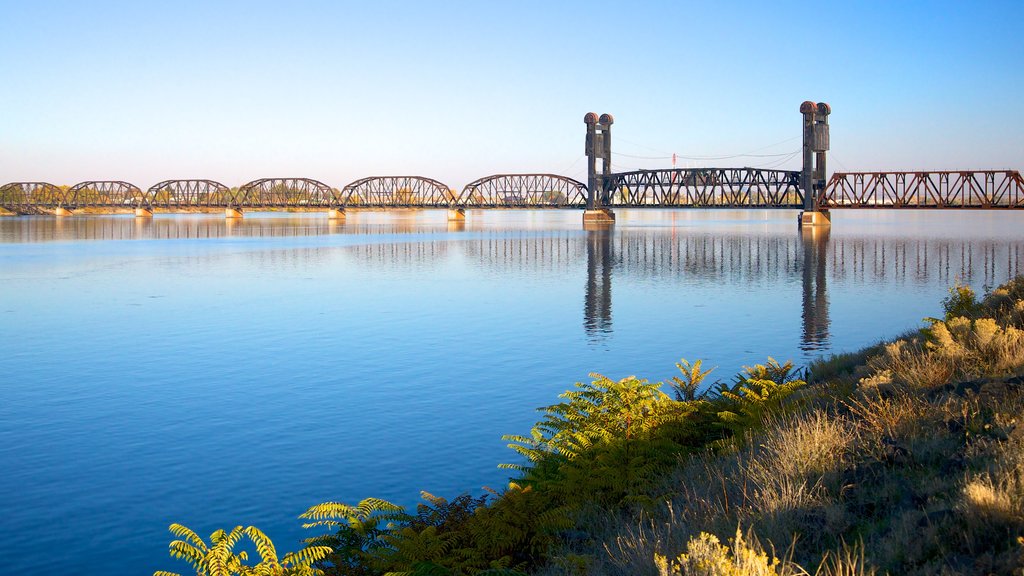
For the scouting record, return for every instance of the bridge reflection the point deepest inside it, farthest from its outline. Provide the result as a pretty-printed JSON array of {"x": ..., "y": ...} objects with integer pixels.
[
  {"x": 676, "y": 256},
  {"x": 813, "y": 258}
]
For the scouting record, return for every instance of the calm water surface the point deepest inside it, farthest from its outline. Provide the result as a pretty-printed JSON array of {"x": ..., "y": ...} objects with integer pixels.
[{"x": 192, "y": 370}]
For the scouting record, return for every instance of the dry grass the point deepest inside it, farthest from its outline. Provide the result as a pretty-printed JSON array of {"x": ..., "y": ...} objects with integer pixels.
[
  {"x": 847, "y": 561},
  {"x": 913, "y": 449}
]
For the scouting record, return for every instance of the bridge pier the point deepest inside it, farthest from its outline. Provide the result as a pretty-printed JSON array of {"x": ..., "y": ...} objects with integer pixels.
[
  {"x": 457, "y": 215},
  {"x": 60, "y": 211},
  {"x": 814, "y": 218},
  {"x": 336, "y": 214},
  {"x": 233, "y": 213},
  {"x": 143, "y": 213},
  {"x": 598, "y": 218}
]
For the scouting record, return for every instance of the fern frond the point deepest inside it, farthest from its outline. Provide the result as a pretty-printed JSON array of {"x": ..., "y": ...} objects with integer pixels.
[
  {"x": 184, "y": 532},
  {"x": 369, "y": 506},
  {"x": 186, "y": 551},
  {"x": 328, "y": 510},
  {"x": 306, "y": 556},
  {"x": 264, "y": 546}
]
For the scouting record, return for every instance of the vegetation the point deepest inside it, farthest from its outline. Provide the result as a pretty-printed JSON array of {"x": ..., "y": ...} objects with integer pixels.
[{"x": 903, "y": 458}]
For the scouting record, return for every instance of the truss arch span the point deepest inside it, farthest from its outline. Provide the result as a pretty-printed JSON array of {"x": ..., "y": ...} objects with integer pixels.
[
  {"x": 397, "y": 191},
  {"x": 30, "y": 197},
  {"x": 524, "y": 191},
  {"x": 173, "y": 194},
  {"x": 286, "y": 193},
  {"x": 105, "y": 194}
]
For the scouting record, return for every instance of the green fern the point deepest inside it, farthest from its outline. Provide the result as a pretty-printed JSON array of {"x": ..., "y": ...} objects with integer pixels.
[
  {"x": 757, "y": 391},
  {"x": 219, "y": 557},
  {"x": 687, "y": 387},
  {"x": 359, "y": 542}
]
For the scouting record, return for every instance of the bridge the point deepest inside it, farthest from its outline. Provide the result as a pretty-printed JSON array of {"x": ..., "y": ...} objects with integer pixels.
[{"x": 807, "y": 189}]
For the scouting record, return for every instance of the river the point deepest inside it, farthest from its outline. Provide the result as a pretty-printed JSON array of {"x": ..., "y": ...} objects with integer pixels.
[{"x": 212, "y": 373}]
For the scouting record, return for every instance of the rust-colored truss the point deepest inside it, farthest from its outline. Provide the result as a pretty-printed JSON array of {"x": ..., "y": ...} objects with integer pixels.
[
  {"x": 286, "y": 193},
  {"x": 705, "y": 188},
  {"x": 176, "y": 194},
  {"x": 30, "y": 197},
  {"x": 524, "y": 191},
  {"x": 398, "y": 192},
  {"x": 944, "y": 189},
  {"x": 104, "y": 194}
]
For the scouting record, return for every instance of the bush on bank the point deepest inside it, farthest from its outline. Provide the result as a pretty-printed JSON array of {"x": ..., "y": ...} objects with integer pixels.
[{"x": 903, "y": 458}]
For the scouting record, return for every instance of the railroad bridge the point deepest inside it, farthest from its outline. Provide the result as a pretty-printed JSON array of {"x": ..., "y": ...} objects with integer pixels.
[{"x": 808, "y": 189}]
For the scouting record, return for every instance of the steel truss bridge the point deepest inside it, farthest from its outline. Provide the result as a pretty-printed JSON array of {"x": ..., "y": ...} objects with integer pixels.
[{"x": 675, "y": 188}]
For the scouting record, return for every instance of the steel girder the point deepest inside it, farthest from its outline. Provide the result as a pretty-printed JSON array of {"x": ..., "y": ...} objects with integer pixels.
[
  {"x": 104, "y": 194},
  {"x": 705, "y": 188},
  {"x": 940, "y": 189},
  {"x": 172, "y": 194},
  {"x": 30, "y": 197},
  {"x": 286, "y": 193},
  {"x": 524, "y": 191},
  {"x": 397, "y": 192}
]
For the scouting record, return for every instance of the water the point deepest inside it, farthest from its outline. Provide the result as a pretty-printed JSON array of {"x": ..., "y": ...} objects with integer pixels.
[{"x": 212, "y": 373}]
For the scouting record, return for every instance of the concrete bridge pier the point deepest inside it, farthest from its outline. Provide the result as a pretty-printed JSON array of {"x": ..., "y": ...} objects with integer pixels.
[
  {"x": 815, "y": 218},
  {"x": 336, "y": 214},
  {"x": 598, "y": 218},
  {"x": 143, "y": 213},
  {"x": 456, "y": 214},
  {"x": 60, "y": 211},
  {"x": 233, "y": 213}
]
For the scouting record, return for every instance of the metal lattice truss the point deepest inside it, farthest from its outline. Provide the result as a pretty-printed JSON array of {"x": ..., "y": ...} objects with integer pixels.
[
  {"x": 524, "y": 191},
  {"x": 397, "y": 191},
  {"x": 971, "y": 189},
  {"x": 104, "y": 194},
  {"x": 173, "y": 194},
  {"x": 705, "y": 188},
  {"x": 285, "y": 193},
  {"x": 30, "y": 197}
]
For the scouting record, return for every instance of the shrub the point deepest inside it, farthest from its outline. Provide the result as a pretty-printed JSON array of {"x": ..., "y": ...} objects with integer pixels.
[
  {"x": 961, "y": 301},
  {"x": 706, "y": 556}
]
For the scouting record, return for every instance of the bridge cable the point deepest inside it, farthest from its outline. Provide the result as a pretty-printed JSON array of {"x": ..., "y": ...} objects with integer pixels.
[
  {"x": 781, "y": 162},
  {"x": 750, "y": 154},
  {"x": 737, "y": 156},
  {"x": 833, "y": 156},
  {"x": 570, "y": 166}
]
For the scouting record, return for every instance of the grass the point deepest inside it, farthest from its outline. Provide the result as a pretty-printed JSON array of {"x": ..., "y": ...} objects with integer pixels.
[{"x": 912, "y": 449}]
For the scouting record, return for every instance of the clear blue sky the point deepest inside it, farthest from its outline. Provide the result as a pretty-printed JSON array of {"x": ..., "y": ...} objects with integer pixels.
[{"x": 233, "y": 91}]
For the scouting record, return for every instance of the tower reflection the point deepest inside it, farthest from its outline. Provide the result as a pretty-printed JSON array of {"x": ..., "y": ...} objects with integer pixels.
[
  {"x": 597, "y": 300},
  {"x": 814, "y": 309}
]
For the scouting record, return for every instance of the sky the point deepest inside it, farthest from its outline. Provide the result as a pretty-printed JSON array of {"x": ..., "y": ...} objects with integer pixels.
[{"x": 457, "y": 90}]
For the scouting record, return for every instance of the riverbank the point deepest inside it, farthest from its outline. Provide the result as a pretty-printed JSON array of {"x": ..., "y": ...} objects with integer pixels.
[{"x": 903, "y": 458}]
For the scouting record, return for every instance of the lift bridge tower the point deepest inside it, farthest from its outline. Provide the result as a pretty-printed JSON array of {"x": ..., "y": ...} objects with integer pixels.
[
  {"x": 812, "y": 178},
  {"x": 598, "y": 147}
]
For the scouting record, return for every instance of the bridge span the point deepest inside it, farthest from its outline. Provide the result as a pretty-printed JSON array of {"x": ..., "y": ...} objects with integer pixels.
[{"x": 746, "y": 187}]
